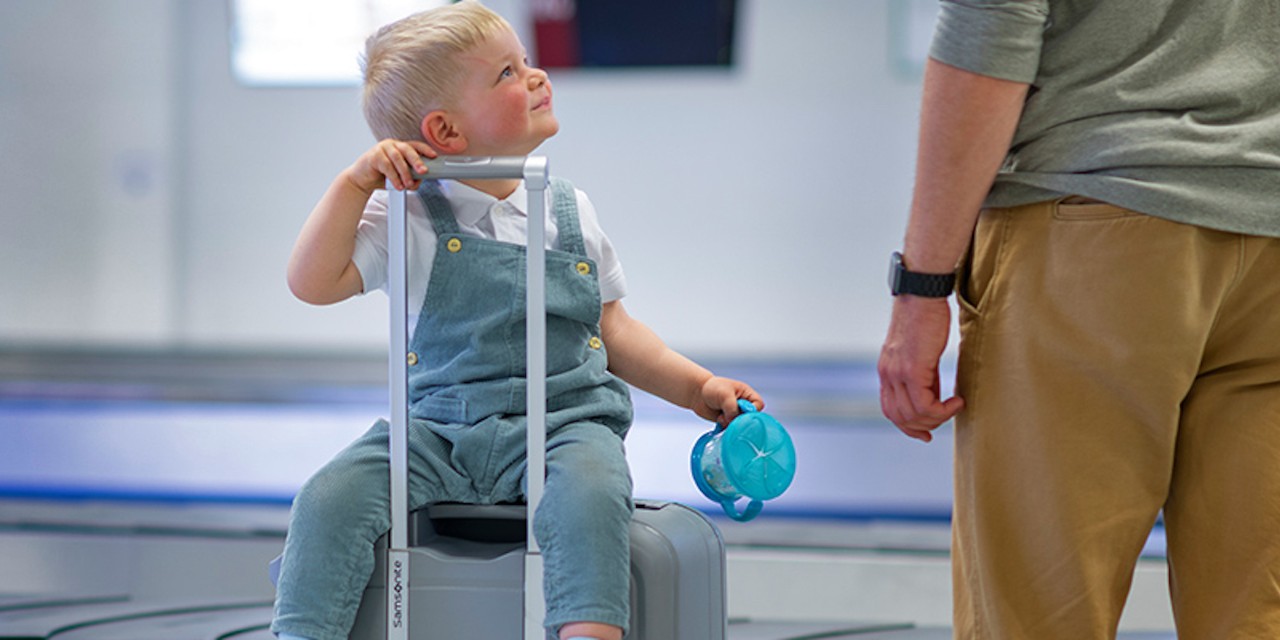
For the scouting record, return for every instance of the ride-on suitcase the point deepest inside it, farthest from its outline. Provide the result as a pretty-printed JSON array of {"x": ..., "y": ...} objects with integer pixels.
[{"x": 476, "y": 570}]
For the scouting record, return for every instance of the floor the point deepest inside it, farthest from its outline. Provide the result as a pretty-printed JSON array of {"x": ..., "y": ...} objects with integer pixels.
[{"x": 119, "y": 466}]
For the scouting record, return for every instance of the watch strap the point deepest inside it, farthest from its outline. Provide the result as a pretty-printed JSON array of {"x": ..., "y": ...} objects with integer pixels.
[{"x": 926, "y": 285}]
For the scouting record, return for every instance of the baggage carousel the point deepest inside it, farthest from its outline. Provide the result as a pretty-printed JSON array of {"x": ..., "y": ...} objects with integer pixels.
[
  {"x": 141, "y": 497},
  {"x": 119, "y": 618},
  {"x": 170, "y": 550},
  {"x": 103, "y": 618},
  {"x": 113, "y": 571}
]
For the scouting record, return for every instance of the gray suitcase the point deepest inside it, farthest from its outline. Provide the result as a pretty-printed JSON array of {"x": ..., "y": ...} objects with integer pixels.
[
  {"x": 469, "y": 571},
  {"x": 468, "y": 561}
]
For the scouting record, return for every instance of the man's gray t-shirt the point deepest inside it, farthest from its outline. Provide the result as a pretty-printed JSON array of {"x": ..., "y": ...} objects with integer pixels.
[{"x": 1167, "y": 107}]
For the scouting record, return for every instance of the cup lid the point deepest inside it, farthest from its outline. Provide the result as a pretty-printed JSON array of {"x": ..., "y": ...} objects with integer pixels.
[{"x": 758, "y": 455}]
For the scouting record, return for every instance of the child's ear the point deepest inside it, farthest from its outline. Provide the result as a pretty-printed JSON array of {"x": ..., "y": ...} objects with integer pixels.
[{"x": 439, "y": 132}]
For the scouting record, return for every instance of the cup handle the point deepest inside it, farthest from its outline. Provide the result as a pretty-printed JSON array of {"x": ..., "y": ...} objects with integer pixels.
[{"x": 752, "y": 510}]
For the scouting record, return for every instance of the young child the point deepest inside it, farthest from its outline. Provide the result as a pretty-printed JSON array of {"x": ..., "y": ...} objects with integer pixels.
[{"x": 455, "y": 81}]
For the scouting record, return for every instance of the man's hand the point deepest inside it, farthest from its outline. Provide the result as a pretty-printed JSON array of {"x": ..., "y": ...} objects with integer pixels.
[{"x": 909, "y": 389}]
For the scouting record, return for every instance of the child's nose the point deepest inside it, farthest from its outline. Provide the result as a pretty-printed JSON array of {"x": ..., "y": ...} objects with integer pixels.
[{"x": 537, "y": 78}]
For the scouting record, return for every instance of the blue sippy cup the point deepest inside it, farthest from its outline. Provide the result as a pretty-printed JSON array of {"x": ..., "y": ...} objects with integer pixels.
[{"x": 752, "y": 457}]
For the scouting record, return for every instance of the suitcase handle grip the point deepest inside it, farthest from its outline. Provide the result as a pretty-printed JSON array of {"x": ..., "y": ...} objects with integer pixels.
[{"x": 477, "y": 168}]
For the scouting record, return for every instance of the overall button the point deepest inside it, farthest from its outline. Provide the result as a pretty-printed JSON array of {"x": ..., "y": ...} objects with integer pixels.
[
  {"x": 412, "y": 359},
  {"x": 454, "y": 245},
  {"x": 584, "y": 268},
  {"x": 594, "y": 343}
]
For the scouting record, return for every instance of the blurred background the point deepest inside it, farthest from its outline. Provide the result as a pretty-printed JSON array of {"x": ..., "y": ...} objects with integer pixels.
[
  {"x": 152, "y": 191},
  {"x": 751, "y": 160},
  {"x": 753, "y": 169}
]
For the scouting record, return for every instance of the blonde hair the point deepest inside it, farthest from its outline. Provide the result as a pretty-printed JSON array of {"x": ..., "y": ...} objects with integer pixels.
[{"x": 411, "y": 66}]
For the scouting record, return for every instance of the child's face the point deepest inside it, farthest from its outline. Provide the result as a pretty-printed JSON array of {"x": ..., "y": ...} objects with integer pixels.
[{"x": 503, "y": 106}]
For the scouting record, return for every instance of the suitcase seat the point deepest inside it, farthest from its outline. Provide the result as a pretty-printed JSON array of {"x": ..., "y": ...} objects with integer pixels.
[
  {"x": 502, "y": 523},
  {"x": 468, "y": 563}
]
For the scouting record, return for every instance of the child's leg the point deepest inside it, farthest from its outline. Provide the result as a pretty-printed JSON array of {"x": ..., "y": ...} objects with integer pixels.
[
  {"x": 583, "y": 527},
  {"x": 337, "y": 517}
]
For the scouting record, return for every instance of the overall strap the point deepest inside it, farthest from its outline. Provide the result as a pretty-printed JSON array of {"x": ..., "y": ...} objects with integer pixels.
[
  {"x": 438, "y": 208},
  {"x": 564, "y": 201}
]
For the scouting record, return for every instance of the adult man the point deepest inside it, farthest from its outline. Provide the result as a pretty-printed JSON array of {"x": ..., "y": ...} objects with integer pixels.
[{"x": 1113, "y": 171}]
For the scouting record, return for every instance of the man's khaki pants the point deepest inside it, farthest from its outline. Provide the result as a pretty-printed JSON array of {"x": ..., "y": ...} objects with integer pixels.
[{"x": 1115, "y": 364}]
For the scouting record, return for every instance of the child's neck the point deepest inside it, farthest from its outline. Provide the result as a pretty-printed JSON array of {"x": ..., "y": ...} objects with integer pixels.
[{"x": 499, "y": 189}]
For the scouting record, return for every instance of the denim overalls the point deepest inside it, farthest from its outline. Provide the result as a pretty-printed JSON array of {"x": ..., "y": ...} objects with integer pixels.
[{"x": 467, "y": 435}]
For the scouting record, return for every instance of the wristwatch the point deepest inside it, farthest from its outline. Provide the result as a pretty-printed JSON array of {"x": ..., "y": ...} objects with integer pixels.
[{"x": 925, "y": 285}]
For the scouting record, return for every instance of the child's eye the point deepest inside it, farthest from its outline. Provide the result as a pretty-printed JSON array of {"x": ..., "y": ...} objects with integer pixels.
[{"x": 507, "y": 73}]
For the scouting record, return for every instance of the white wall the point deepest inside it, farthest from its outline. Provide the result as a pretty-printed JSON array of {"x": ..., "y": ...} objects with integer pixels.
[
  {"x": 149, "y": 198},
  {"x": 86, "y": 190}
]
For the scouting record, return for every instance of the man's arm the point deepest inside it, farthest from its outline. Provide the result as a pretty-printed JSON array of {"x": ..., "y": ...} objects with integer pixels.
[{"x": 967, "y": 122}]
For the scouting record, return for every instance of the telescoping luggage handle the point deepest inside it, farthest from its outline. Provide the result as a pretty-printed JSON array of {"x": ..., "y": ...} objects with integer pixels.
[{"x": 533, "y": 170}]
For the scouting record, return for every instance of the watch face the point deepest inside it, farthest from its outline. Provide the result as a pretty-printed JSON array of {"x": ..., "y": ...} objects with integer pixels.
[{"x": 895, "y": 272}]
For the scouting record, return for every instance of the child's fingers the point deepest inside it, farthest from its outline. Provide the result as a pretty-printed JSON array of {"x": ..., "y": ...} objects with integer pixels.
[
  {"x": 728, "y": 409},
  {"x": 423, "y": 149},
  {"x": 413, "y": 153},
  {"x": 399, "y": 162}
]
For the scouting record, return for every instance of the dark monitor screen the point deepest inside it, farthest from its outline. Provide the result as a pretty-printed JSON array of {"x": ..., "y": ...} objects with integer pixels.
[{"x": 634, "y": 33}]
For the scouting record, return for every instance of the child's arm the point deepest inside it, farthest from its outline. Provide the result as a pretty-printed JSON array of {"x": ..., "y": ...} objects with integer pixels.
[
  {"x": 320, "y": 268},
  {"x": 640, "y": 357}
]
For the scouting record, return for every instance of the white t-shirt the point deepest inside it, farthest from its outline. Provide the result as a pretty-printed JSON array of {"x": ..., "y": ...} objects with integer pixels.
[{"x": 478, "y": 214}]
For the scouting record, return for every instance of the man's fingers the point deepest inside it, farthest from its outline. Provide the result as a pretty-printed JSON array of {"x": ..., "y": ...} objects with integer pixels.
[{"x": 916, "y": 410}]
